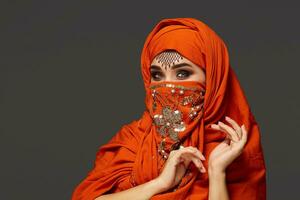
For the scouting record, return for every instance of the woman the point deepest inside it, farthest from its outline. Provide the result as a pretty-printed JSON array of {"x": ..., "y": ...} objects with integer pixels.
[{"x": 184, "y": 146}]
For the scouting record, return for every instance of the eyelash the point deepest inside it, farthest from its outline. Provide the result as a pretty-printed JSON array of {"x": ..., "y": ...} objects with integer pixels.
[
  {"x": 153, "y": 74},
  {"x": 187, "y": 72}
]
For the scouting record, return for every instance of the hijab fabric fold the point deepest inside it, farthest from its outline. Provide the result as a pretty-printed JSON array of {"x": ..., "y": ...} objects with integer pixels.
[{"x": 131, "y": 158}]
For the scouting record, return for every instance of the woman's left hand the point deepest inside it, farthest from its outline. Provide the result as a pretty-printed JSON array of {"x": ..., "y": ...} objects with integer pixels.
[{"x": 224, "y": 153}]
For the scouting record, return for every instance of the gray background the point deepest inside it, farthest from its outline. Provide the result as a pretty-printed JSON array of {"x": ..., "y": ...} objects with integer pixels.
[{"x": 70, "y": 78}]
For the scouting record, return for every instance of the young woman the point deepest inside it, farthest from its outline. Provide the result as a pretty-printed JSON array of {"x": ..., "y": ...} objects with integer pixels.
[{"x": 197, "y": 138}]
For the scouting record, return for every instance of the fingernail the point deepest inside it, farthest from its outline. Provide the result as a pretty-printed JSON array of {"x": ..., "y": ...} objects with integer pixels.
[
  {"x": 203, "y": 170},
  {"x": 226, "y": 117},
  {"x": 213, "y": 126}
]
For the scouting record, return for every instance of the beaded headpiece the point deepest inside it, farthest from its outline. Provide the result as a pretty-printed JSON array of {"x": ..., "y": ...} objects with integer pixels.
[{"x": 168, "y": 58}]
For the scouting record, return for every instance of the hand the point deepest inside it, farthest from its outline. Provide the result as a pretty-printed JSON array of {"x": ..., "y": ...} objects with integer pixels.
[
  {"x": 224, "y": 153},
  {"x": 176, "y": 165}
]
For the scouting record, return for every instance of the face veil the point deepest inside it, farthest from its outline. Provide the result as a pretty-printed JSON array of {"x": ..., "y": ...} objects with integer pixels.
[
  {"x": 132, "y": 156},
  {"x": 173, "y": 107}
]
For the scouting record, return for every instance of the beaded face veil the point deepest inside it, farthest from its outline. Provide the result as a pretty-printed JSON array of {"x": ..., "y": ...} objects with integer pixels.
[{"x": 174, "y": 105}]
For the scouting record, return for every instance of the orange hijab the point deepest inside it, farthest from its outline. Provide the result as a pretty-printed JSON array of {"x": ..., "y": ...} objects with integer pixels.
[{"x": 131, "y": 158}]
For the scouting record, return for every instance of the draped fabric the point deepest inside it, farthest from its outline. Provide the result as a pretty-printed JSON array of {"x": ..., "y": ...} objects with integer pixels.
[{"x": 130, "y": 158}]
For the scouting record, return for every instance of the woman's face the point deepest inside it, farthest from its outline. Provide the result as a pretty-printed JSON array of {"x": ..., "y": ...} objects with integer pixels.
[{"x": 174, "y": 67}]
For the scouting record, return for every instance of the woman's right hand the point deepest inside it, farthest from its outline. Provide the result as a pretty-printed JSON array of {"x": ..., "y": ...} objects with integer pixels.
[{"x": 177, "y": 164}]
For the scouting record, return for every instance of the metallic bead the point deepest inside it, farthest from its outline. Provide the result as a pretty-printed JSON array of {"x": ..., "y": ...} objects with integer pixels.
[
  {"x": 181, "y": 91},
  {"x": 194, "y": 113},
  {"x": 173, "y": 91}
]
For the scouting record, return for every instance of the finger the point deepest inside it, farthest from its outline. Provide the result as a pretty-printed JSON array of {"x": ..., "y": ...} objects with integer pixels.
[
  {"x": 198, "y": 163},
  {"x": 190, "y": 152},
  {"x": 194, "y": 151},
  {"x": 190, "y": 156},
  {"x": 200, "y": 155},
  {"x": 227, "y": 140},
  {"x": 235, "y": 126},
  {"x": 217, "y": 127},
  {"x": 244, "y": 134},
  {"x": 229, "y": 130}
]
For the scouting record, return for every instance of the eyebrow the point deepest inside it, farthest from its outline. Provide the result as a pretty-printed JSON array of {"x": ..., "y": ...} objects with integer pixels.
[{"x": 173, "y": 67}]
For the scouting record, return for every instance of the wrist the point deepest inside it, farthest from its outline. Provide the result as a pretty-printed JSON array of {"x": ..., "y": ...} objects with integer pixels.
[
  {"x": 156, "y": 186},
  {"x": 216, "y": 173}
]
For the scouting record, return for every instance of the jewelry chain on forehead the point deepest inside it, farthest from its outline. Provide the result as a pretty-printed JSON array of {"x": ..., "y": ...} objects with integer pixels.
[{"x": 168, "y": 58}]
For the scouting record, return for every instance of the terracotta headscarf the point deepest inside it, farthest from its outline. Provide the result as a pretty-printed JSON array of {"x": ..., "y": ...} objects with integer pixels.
[{"x": 131, "y": 158}]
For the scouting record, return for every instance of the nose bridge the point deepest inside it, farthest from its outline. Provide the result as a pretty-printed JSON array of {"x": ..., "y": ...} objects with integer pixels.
[
  {"x": 168, "y": 78},
  {"x": 168, "y": 75}
]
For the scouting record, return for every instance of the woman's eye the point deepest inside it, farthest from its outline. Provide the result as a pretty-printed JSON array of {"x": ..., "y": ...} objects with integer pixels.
[
  {"x": 156, "y": 76},
  {"x": 182, "y": 74}
]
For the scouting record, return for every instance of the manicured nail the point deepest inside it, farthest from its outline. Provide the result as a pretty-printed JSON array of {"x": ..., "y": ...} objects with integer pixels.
[
  {"x": 202, "y": 156},
  {"x": 213, "y": 126},
  {"x": 203, "y": 170}
]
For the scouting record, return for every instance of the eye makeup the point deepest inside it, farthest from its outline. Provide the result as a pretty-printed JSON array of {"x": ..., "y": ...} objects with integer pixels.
[
  {"x": 183, "y": 73},
  {"x": 157, "y": 75},
  {"x": 180, "y": 73}
]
